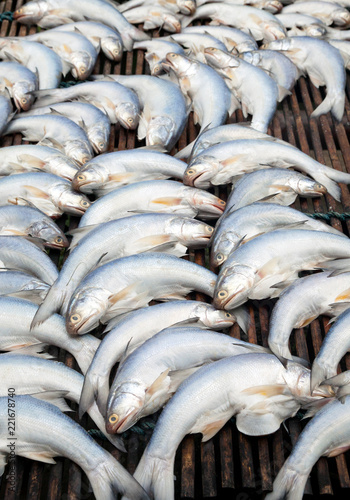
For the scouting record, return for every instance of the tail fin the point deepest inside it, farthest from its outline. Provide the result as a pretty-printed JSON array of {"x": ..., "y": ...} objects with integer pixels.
[
  {"x": 334, "y": 103},
  {"x": 51, "y": 304},
  {"x": 110, "y": 477},
  {"x": 326, "y": 179},
  {"x": 288, "y": 484},
  {"x": 156, "y": 476},
  {"x": 242, "y": 317},
  {"x": 95, "y": 387},
  {"x": 86, "y": 345},
  {"x": 185, "y": 152},
  {"x": 99, "y": 421},
  {"x": 319, "y": 374}
]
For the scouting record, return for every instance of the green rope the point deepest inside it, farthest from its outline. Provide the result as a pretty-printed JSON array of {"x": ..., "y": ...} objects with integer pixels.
[
  {"x": 70, "y": 83},
  {"x": 6, "y": 16},
  {"x": 329, "y": 215},
  {"x": 96, "y": 433}
]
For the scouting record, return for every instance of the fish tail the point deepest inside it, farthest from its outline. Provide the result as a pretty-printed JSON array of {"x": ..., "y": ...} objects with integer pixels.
[
  {"x": 185, "y": 152},
  {"x": 326, "y": 179},
  {"x": 319, "y": 374},
  {"x": 95, "y": 387},
  {"x": 242, "y": 317},
  {"x": 110, "y": 477},
  {"x": 84, "y": 353},
  {"x": 51, "y": 304},
  {"x": 288, "y": 484},
  {"x": 49, "y": 96},
  {"x": 334, "y": 103}
]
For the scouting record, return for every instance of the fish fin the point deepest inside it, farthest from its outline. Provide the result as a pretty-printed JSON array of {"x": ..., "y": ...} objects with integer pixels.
[
  {"x": 157, "y": 384},
  {"x": 36, "y": 192},
  {"x": 305, "y": 322},
  {"x": 36, "y": 350},
  {"x": 152, "y": 242},
  {"x": 167, "y": 201},
  {"x": 156, "y": 476},
  {"x": 176, "y": 295},
  {"x": 266, "y": 390},
  {"x": 211, "y": 429},
  {"x": 51, "y": 304},
  {"x": 337, "y": 267},
  {"x": 78, "y": 234},
  {"x": 123, "y": 177},
  {"x": 242, "y": 317},
  {"x": 30, "y": 295},
  {"x": 338, "y": 451},
  {"x": 11, "y": 57},
  {"x": 56, "y": 398},
  {"x": 257, "y": 424},
  {"x": 136, "y": 291},
  {"x": 333, "y": 103},
  {"x": 41, "y": 456},
  {"x": 343, "y": 296},
  {"x": 95, "y": 387},
  {"x": 232, "y": 160},
  {"x": 32, "y": 160},
  {"x": 268, "y": 268},
  {"x": 283, "y": 93},
  {"x": 340, "y": 380}
]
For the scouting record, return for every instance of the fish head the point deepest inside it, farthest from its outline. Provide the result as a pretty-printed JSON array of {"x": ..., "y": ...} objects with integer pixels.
[
  {"x": 200, "y": 171},
  {"x": 128, "y": 115},
  {"x": 47, "y": 231},
  {"x": 223, "y": 246},
  {"x": 284, "y": 44},
  {"x": 160, "y": 131},
  {"x": 31, "y": 12},
  {"x": 112, "y": 47},
  {"x": 82, "y": 65},
  {"x": 91, "y": 176},
  {"x": 69, "y": 201},
  {"x": 87, "y": 307},
  {"x": 341, "y": 17},
  {"x": 22, "y": 96},
  {"x": 233, "y": 286},
  {"x": 273, "y": 6},
  {"x": 187, "y": 7},
  {"x": 191, "y": 232},
  {"x": 99, "y": 138},
  {"x": 219, "y": 59},
  {"x": 171, "y": 23},
  {"x": 315, "y": 30},
  {"x": 79, "y": 151},
  {"x": 210, "y": 317},
  {"x": 180, "y": 64},
  {"x": 308, "y": 187},
  {"x": 123, "y": 409},
  {"x": 206, "y": 204},
  {"x": 298, "y": 379},
  {"x": 274, "y": 31}
]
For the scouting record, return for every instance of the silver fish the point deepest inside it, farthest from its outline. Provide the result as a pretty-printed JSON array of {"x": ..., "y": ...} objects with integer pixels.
[
  {"x": 101, "y": 36},
  {"x": 277, "y": 185},
  {"x": 120, "y": 238},
  {"x": 151, "y": 374},
  {"x": 27, "y": 157},
  {"x": 324, "y": 66},
  {"x": 328, "y": 12},
  {"x": 327, "y": 434},
  {"x": 241, "y": 78},
  {"x": 164, "y": 113},
  {"x": 36, "y": 57},
  {"x": 47, "y": 192},
  {"x": 197, "y": 81},
  {"x": 344, "y": 48},
  {"x": 186, "y": 7},
  {"x": 92, "y": 120},
  {"x": 253, "y": 270},
  {"x": 234, "y": 39},
  {"x": 153, "y": 16},
  {"x": 302, "y": 24},
  {"x": 253, "y": 220},
  {"x": 157, "y": 49},
  {"x": 137, "y": 327},
  {"x": 19, "y": 81},
  {"x": 121, "y": 168},
  {"x": 130, "y": 283},
  {"x": 77, "y": 53},
  {"x": 221, "y": 164},
  {"x": 116, "y": 101},
  {"x": 6, "y": 111},
  {"x": 45, "y": 432},
  {"x": 22, "y": 285},
  {"x": 17, "y": 334},
  {"x": 153, "y": 196},
  {"x": 195, "y": 43},
  {"x": 304, "y": 301},
  {"x": 31, "y": 223}
]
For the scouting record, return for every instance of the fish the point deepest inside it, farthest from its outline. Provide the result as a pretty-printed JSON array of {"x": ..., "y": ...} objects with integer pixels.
[
  {"x": 273, "y": 6},
  {"x": 307, "y": 53},
  {"x": 234, "y": 39},
  {"x": 148, "y": 377},
  {"x": 77, "y": 53},
  {"x": 47, "y": 192},
  {"x": 221, "y": 164},
  {"x": 116, "y": 101},
  {"x": 19, "y": 81},
  {"x": 209, "y": 398},
  {"x": 153, "y": 196},
  {"x": 137, "y": 327},
  {"x": 253, "y": 270},
  {"x": 334, "y": 346},
  {"x": 197, "y": 81},
  {"x": 344, "y": 48},
  {"x": 337, "y": 34},
  {"x": 5, "y": 110},
  {"x": 17, "y": 253},
  {"x": 156, "y": 51},
  {"x": 17, "y": 334},
  {"x": 276, "y": 65},
  {"x": 129, "y": 283},
  {"x": 107, "y": 172},
  {"x": 164, "y": 112},
  {"x": 276, "y": 185},
  {"x": 241, "y": 77},
  {"x": 92, "y": 120},
  {"x": 328, "y": 12},
  {"x": 153, "y": 16},
  {"x": 317, "y": 439},
  {"x": 119, "y": 238},
  {"x": 31, "y": 223},
  {"x": 45, "y": 379},
  {"x": 304, "y": 301},
  {"x": 45, "y": 432},
  {"x": 41, "y": 60},
  {"x": 54, "y": 131},
  {"x": 23, "y": 285},
  {"x": 195, "y": 43},
  {"x": 101, "y": 36},
  {"x": 186, "y": 7},
  {"x": 246, "y": 223},
  {"x": 50, "y": 13},
  {"x": 340, "y": 384},
  {"x": 260, "y": 24},
  {"x": 35, "y": 158},
  {"x": 303, "y": 25}
]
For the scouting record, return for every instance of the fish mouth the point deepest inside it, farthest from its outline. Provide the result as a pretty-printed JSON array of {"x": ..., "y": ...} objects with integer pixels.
[
  {"x": 64, "y": 244},
  {"x": 225, "y": 304},
  {"x": 192, "y": 180},
  {"x": 122, "y": 425},
  {"x": 74, "y": 210},
  {"x": 76, "y": 329}
]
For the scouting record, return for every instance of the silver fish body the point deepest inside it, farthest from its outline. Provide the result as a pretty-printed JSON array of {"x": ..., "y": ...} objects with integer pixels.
[
  {"x": 22, "y": 285},
  {"x": 45, "y": 432},
  {"x": 157, "y": 49},
  {"x": 195, "y": 43},
  {"x": 272, "y": 6},
  {"x": 5, "y": 110},
  {"x": 133, "y": 330},
  {"x": 328, "y": 12},
  {"x": 121, "y": 168},
  {"x": 253, "y": 220},
  {"x": 344, "y": 48},
  {"x": 47, "y": 192},
  {"x": 234, "y": 39},
  {"x": 304, "y": 301},
  {"x": 19, "y": 81},
  {"x": 132, "y": 282},
  {"x": 303, "y": 25},
  {"x": 153, "y": 16}
]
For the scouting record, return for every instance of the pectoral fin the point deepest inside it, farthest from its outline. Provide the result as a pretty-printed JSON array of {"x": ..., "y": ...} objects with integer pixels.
[
  {"x": 36, "y": 192},
  {"x": 157, "y": 384},
  {"x": 210, "y": 430}
]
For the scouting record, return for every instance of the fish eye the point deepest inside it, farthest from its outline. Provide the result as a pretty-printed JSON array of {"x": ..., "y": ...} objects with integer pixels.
[
  {"x": 24, "y": 100},
  {"x": 19, "y": 11},
  {"x": 84, "y": 203},
  {"x": 113, "y": 419},
  {"x": 172, "y": 55},
  {"x": 222, "y": 202},
  {"x": 82, "y": 69},
  {"x": 75, "y": 318},
  {"x": 209, "y": 229},
  {"x": 190, "y": 171},
  {"x": 219, "y": 257},
  {"x": 59, "y": 239},
  {"x": 101, "y": 145},
  {"x": 130, "y": 120},
  {"x": 81, "y": 177},
  {"x": 222, "y": 294},
  {"x": 228, "y": 315}
]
